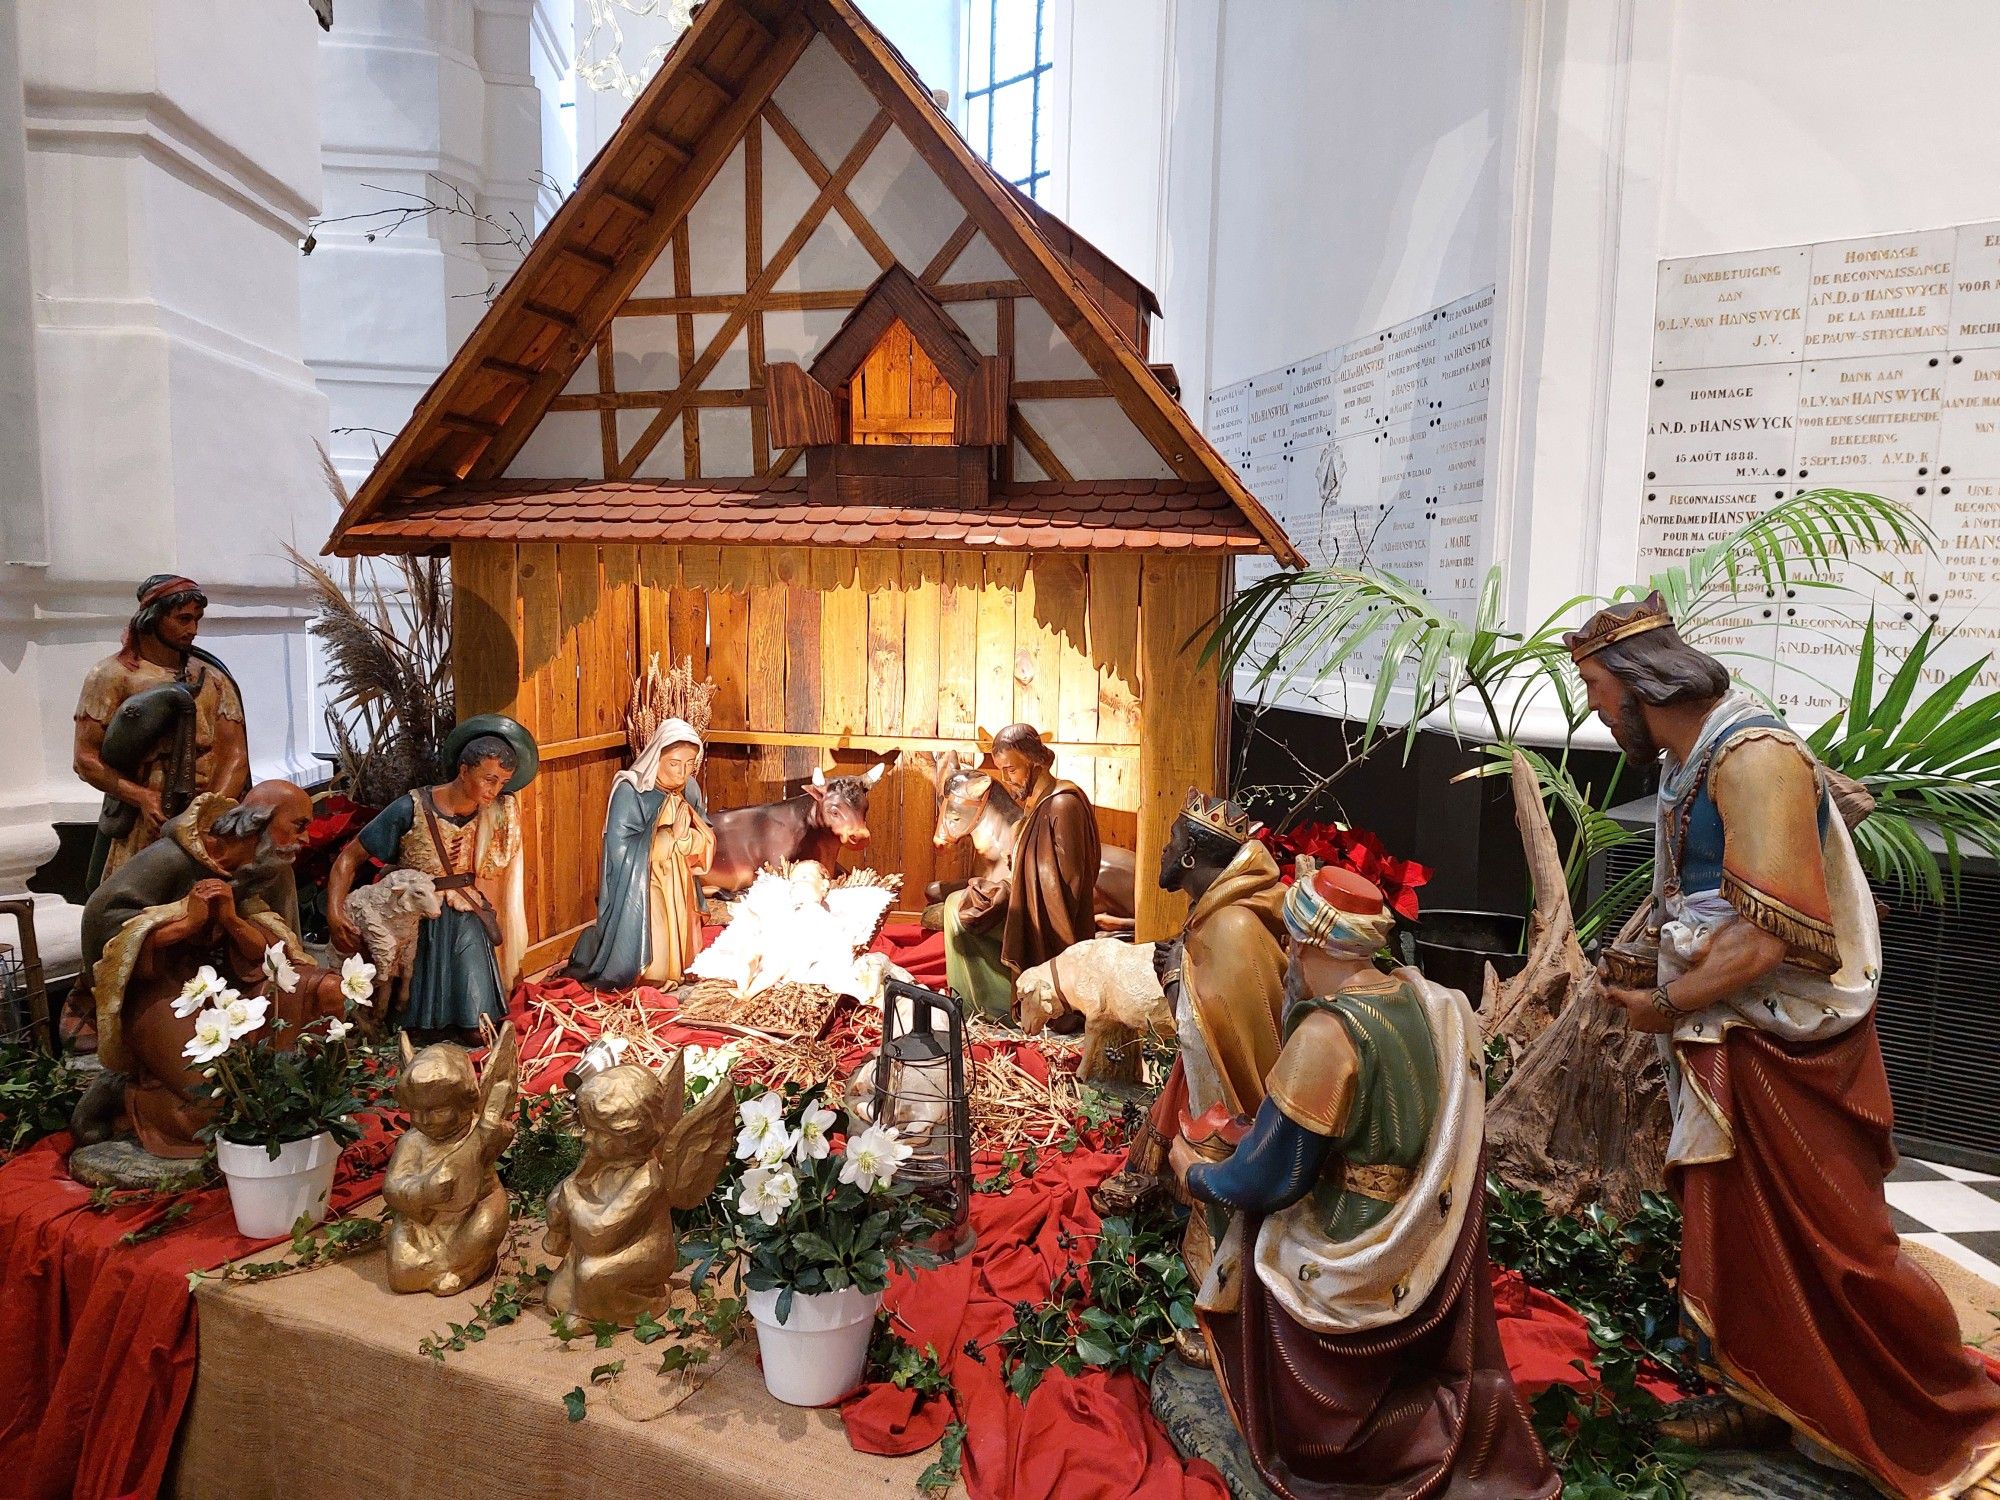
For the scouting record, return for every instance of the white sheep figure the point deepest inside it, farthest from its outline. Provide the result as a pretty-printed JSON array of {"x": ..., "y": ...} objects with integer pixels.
[
  {"x": 386, "y": 915},
  {"x": 1111, "y": 983}
]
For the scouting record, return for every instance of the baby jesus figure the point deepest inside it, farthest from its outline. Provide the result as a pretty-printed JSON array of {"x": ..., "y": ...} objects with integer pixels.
[
  {"x": 800, "y": 928},
  {"x": 448, "y": 1209}
]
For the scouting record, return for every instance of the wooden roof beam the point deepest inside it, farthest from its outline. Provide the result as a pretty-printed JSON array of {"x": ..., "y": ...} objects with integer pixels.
[
  {"x": 452, "y": 421},
  {"x": 586, "y": 257},
  {"x": 563, "y": 320},
  {"x": 513, "y": 371},
  {"x": 664, "y": 139},
  {"x": 625, "y": 203}
]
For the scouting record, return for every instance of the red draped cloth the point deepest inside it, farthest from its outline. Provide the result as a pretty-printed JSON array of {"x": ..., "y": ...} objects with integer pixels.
[
  {"x": 1791, "y": 1269},
  {"x": 97, "y": 1337}
]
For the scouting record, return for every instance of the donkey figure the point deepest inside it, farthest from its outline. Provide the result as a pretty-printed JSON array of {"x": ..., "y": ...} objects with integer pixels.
[{"x": 973, "y": 806}]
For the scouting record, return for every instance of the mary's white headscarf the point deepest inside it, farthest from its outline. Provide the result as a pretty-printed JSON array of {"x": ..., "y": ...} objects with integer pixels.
[{"x": 645, "y": 769}]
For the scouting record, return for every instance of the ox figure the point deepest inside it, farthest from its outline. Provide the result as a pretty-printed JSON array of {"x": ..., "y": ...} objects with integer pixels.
[{"x": 825, "y": 818}]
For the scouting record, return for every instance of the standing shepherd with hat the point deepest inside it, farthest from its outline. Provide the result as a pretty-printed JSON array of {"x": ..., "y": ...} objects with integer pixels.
[{"x": 466, "y": 835}]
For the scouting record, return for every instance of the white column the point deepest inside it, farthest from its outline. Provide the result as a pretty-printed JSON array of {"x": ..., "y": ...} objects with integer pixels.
[{"x": 172, "y": 164}]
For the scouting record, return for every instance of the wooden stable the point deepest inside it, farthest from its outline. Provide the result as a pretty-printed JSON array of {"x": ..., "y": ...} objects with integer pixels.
[{"x": 795, "y": 386}]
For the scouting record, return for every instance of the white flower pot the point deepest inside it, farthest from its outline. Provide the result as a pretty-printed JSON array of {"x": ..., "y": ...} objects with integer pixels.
[
  {"x": 270, "y": 1195},
  {"x": 818, "y": 1354}
]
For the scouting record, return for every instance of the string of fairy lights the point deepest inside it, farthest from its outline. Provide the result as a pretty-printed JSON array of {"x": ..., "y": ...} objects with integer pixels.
[{"x": 600, "y": 61}]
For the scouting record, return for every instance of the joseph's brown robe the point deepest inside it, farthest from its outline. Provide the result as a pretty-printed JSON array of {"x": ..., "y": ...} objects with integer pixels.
[{"x": 1048, "y": 895}]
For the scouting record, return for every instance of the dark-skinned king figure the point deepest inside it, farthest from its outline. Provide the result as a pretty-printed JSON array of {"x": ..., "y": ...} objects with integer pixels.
[
  {"x": 1800, "y": 1302},
  {"x": 1225, "y": 979},
  {"x": 1348, "y": 1307}
]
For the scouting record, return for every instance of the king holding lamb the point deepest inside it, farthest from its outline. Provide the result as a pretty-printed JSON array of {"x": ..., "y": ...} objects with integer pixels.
[{"x": 1802, "y": 1305}]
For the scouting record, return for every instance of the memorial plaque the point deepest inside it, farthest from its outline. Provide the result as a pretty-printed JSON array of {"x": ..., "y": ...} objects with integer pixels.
[
  {"x": 1456, "y": 566},
  {"x": 1458, "y": 450},
  {"x": 1965, "y": 575},
  {"x": 1675, "y": 522},
  {"x": 1266, "y": 473},
  {"x": 1268, "y": 422},
  {"x": 1358, "y": 391},
  {"x": 1872, "y": 296},
  {"x": 1747, "y": 308},
  {"x": 1415, "y": 350},
  {"x": 1868, "y": 421},
  {"x": 1722, "y": 426},
  {"x": 1315, "y": 403},
  {"x": 1226, "y": 418},
  {"x": 1975, "y": 288},
  {"x": 1975, "y": 637},
  {"x": 1969, "y": 425},
  {"x": 1464, "y": 372},
  {"x": 1409, "y": 457},
  {"x": 1744, "y": 639},
  {"x": 1402, "y": 544}
]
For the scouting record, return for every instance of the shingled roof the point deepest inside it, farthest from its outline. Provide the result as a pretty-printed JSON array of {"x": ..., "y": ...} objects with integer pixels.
[{"x": 444, "y": 477}]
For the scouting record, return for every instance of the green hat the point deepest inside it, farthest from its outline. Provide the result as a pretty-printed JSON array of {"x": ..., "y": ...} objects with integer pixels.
[{"x": 527, "y": 755}]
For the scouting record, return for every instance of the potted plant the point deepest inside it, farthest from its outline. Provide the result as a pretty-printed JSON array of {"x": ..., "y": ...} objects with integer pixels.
[
  {"x": 284, "y": 1106},
  {"x": 820, "y": 1220}
]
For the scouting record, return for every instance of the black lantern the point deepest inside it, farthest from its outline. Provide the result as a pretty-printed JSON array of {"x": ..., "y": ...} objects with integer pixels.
[{"x": 920, "y": 1089}]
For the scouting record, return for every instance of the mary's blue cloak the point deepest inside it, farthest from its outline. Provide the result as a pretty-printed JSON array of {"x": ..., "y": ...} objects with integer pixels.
[{"x": 614, "y": 952}]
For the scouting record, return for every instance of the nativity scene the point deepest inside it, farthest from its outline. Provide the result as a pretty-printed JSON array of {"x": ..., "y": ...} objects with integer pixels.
[{"x": 895, "y": 892}]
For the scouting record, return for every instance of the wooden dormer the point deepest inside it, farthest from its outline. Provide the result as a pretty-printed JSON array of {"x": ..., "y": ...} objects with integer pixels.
[{"x": 899, "y": 408}]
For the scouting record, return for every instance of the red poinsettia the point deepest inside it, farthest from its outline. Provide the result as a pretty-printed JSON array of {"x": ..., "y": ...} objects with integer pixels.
[{"x": 1353, "y": 849}]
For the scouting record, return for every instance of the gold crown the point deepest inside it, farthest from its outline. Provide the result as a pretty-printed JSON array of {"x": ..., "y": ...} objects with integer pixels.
[
  {"x": 1219, "y": 816},
  {"x": 1606, "y": 629}
]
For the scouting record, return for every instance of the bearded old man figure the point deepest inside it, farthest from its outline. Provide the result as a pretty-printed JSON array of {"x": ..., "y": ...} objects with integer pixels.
[
  {"x": 1225, "y": 978},
  {"x": 201, "y": 895},
  {"x": 999, "y": 927},
  {"x": 1349, "y": 1308},
  {"x": 1802, "y": 1305}
]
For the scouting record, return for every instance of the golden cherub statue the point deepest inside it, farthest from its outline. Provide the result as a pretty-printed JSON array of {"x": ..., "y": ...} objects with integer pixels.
[
  {"x": 612, "y": 1219},
  {"x": 448, "y": 1209}
]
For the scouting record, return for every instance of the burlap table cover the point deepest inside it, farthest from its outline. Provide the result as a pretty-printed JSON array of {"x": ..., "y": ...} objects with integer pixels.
[{"x": 310, "y": 1387}]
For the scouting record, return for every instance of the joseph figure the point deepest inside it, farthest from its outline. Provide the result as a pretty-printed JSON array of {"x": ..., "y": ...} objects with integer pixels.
[
  {"x": 1801, "y": 1303},
  {"x": 1348, "y": 1307},
  {"x": 997, "y": 928},
  {"x": 203, "y": 894}
]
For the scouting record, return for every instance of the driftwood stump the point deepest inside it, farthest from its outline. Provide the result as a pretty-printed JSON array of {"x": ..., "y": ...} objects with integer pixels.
[{"x": 1582, "y": 1115}]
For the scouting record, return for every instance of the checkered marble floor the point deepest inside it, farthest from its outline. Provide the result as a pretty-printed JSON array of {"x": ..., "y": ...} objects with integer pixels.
[{"x": 1954, "y": 1211}]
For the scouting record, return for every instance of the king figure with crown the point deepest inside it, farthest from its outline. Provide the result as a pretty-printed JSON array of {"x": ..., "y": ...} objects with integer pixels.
[{"x": 1760, "y": 979}]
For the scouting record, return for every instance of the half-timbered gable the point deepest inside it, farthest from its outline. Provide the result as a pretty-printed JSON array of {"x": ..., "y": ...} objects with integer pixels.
[{"x": 793, "y": 384}]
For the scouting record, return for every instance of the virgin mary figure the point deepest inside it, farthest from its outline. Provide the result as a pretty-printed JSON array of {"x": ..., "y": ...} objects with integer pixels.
[{"x": 656, "y": 842}]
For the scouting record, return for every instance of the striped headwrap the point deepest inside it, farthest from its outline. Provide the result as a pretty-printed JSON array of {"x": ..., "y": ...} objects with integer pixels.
[{"x": 1318, "y": 910}]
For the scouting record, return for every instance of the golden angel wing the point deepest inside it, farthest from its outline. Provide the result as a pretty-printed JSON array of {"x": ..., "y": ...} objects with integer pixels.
[
  {"x": 499, "y": 1080},
  {"x": 697, "y": 1148}
]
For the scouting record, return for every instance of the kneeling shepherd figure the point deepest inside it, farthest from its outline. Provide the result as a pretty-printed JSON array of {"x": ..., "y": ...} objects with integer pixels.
[{"x": 1348, "y": 1308}]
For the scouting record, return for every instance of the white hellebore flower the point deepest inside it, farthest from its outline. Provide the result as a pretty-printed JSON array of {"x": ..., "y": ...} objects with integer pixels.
[
  {"x": 813, "y": 1126},
  {"x": 278, "y": 968},
  {"x": 763, "y": 1136},
  {"x": 768, "y": 1192},
  {"x": 198, "y": 991},
  {"x": 243, "y": 1016},
  {"x": 873, "y": 1156},
  {"x": 708, "y": 1066},
  {"x": 357, "y": 978},
  {"x": 211, "y": 1037},
  {"x": 336, "y": 1031}
]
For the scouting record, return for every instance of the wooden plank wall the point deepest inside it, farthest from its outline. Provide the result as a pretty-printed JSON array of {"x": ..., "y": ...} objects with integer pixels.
[{"x": 829, "y": 657}]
